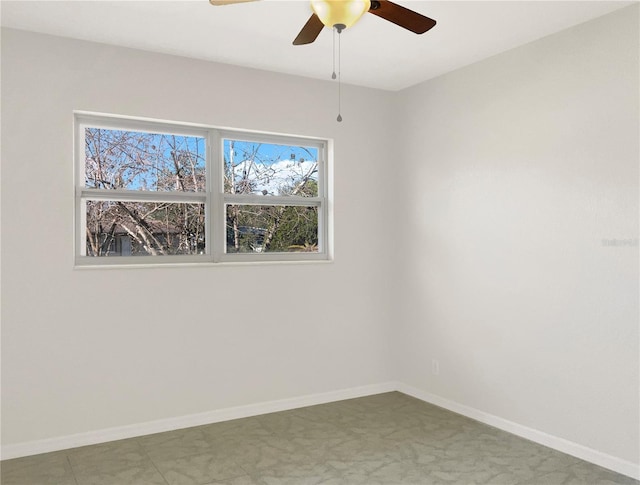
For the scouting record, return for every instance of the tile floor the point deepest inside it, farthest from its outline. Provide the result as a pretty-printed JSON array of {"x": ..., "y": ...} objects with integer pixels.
[{"x": 384, "y": 439}]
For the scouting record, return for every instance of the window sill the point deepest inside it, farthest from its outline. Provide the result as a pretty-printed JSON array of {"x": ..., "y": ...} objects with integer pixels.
[{"x": 203, "y": 264}]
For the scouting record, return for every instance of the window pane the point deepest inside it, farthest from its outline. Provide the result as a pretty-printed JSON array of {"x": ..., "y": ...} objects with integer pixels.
[
  {"x": 270, "y": 169},
  {"x": 259, "y": 228},
  {"x": 131, "y": 160},
  {"x": 116, "y": 228}
]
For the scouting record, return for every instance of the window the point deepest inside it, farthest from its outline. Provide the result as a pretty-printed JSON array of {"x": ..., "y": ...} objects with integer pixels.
[{"x": 152, "y": 192}]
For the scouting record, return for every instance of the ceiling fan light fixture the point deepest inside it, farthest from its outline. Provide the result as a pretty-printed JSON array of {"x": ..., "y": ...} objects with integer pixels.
[{"x": 341, "y": 13}]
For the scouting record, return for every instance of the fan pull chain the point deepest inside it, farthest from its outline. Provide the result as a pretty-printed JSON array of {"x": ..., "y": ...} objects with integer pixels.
[
  {"x": 333, "y": 75},
  {"x": 339, "y": 118}
]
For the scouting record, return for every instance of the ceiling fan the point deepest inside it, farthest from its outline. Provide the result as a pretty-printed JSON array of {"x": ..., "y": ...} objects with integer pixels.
[{"x": 340, "y": 14}]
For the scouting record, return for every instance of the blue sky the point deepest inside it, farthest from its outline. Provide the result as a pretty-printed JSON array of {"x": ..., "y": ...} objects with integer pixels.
[{"x": 268, "y": 153}]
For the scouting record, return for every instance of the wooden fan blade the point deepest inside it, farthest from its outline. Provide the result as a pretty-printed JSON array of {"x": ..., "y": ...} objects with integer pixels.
[
  {"x": 401, "y": 16},
  {"x": 227, "y": 2},
  {"x": 310, "y": 31}
]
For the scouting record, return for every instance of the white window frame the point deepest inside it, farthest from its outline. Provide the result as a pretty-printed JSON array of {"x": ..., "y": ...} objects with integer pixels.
[{"x": 214, "y": 198}]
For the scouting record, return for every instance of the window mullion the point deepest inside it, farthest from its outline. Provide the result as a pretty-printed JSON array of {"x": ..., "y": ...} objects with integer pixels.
[
  {"x": 139, "y": 196},
  {"x": 244, "y": 199},
  {"x": 215, "y": 185}
]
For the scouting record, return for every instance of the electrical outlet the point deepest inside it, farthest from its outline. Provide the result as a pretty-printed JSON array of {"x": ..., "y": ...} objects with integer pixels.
[{"x": 435, "y": 367}]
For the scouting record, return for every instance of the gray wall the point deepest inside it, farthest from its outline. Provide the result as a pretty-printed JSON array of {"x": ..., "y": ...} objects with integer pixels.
[
  {"x": 85, "y": 350},
  {"x": 519, "y": 167}
]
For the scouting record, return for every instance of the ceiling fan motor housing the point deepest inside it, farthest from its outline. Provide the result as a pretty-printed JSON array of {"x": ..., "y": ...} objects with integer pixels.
[{"x": 340, "y": 14}]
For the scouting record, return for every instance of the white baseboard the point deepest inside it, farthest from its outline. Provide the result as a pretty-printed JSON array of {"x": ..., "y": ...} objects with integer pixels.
[
  {"x": 618, "y": 465},
  {"x": 170, "y": 424},
  {"x": 122, "y": 432}
]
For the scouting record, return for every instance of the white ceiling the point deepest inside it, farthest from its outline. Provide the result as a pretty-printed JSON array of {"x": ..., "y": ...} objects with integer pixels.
[{"x": 375, "y": 53}]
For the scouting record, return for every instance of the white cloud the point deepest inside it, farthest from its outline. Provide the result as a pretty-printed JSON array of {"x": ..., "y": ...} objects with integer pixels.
[{"x": 271, "y": 179}]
